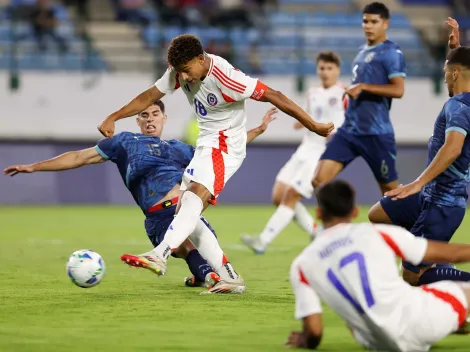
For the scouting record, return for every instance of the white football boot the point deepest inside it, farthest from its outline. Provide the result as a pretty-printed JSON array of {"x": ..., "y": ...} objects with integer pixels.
[
  {"x": 254, "y": 243},
  {"x": 216, "y": 285}
]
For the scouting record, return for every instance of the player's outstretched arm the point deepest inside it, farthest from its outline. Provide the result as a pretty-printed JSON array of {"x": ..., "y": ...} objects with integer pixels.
[
  {"x": 311, "y": 335},
  {"x": 267, "y": 119},
  {"x": 441, "y": 252},
  {"x": 66, "y": 161},
  {"x": 287, "y": 106},
  {"x": 134, "y": 107},
  {"x": 448, "y": 153}
]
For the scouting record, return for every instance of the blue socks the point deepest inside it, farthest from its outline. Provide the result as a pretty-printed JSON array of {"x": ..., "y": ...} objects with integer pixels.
[
  {"x": 441, "y": 273},
  {"x": 198, "y": 265}
]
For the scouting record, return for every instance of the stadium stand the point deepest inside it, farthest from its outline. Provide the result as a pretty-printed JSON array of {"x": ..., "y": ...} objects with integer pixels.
[
  {"x": 19, "y": 46},
  {"x": 282, "y": 42}
]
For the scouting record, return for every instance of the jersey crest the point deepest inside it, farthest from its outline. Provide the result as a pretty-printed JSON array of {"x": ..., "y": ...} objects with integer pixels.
[
  {"x": 369, "y": 57},
  {"x": 212, "y": 99}
]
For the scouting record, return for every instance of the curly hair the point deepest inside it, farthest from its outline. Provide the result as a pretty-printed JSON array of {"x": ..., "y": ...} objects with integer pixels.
[{"x": 183, "y": 49}]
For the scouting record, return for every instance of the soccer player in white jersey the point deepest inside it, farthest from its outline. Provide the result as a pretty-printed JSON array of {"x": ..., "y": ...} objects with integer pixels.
[
  {"x": 217, "y": 93},
  {"x": 353, "y": 269},
  {"x": 325, "y": 103}
]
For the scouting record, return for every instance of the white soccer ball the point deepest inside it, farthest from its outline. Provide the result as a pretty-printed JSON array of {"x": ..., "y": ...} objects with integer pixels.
[{"x": 85, "y": 268}]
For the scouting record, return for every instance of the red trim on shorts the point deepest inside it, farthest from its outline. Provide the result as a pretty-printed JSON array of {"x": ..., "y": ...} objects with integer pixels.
[
  {"x": 219, "y": 167},
  {"x": 260, "y": 91},
  {"x": 177, "y": 85},
  {"x": 227, "y": 81},
  {"x": 457, "y": 306},
  {"x": 391, "y": 243},
  {"x": 219, "y": 172},
  {"x": 223, "y": 142},
  {"x": 302, "y": 278}
]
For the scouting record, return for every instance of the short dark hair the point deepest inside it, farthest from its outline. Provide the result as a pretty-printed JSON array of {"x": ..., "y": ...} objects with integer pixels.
[
  {"x": 459, "y": 56},
  {"x": 329, "y": 56},
  {"x": 377, "y": 8},
  {"x": 336, "y": 199},
  {"x": 183, "y": 49},
  {"x": 160, "y": 104}
]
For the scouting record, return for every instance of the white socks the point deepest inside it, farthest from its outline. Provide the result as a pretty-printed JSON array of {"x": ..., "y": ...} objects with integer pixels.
[
  {"x": 304, "y": 219},
  {"x": 282, "y": 217},
  {"x": 182, "y": 225},
  {"x": 278, "y": 221},
  {"x": 208, "y": 246}
]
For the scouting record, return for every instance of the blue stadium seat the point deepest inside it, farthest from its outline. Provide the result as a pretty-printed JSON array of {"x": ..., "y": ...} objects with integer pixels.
[
  {"x": 464, "y": 22},
  {"x": 427, "y": 2},
  {"x": 330, "y": 19},
  {"x": 325, "y": 2}
]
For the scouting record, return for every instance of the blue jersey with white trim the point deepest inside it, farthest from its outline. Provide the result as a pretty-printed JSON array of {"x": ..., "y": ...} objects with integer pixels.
[
  {"x": 149, "y": 166},
  {"x": 369, "y": 114},
  {"x": 450, "y": 187}
]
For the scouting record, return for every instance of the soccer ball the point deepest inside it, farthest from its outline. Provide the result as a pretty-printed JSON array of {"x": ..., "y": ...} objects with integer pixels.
[{"x": 85, "y": 268}]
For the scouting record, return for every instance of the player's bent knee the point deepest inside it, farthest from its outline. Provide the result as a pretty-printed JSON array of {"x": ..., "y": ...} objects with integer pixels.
[
  {"x": 377, "y": 215},
  {"x": 278, "y": 193},
  {"x": 326, "y": 171},
  {"x": 200, "y": 190},
  {"x": 291, "y": 197}
]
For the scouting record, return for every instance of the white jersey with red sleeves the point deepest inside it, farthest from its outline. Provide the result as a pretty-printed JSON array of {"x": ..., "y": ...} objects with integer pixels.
[
  {"x": 219, "y": 104},
  {"x": 324, "y": 105},
  {"x": 353, "y": 268}
]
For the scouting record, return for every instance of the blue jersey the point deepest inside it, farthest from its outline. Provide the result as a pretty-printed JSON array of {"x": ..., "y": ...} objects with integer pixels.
[
  {"x": 149, "y": 166},
  {"x": 369, "y": 114},
  {"x": 450, "y": 187}
]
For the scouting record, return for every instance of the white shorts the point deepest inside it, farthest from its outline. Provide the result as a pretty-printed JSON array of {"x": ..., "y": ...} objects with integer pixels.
[
  {"x": 298, "y": 172},
  {"x": 432, "y": 312},
  {"x": 212, "y": 168}
]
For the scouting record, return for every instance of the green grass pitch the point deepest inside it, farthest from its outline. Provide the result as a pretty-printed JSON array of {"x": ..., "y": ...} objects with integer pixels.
[{"x": 131, "y": 310}]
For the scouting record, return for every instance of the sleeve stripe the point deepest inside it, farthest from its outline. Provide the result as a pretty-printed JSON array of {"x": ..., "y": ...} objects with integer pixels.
[
  {"x": 238, "y": 84},
  {"x": 227, "y": 80},
  {"x": 456, "y": 129},
  {"x": 392, "y": 244},
  {"x": 100, "y": 152},
  {"x": 397, "y": 74},
  {"x": 227, "y": 85},
  {"x": 454, "y": 302}
]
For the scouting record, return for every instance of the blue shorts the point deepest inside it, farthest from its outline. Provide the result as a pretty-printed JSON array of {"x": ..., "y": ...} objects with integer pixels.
[
  {"x": 158, "y": 222},
  {"x": 403, "y": 212},
  {"x": 435, "y": 222},
  {"x": 379, "y": 152}
]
